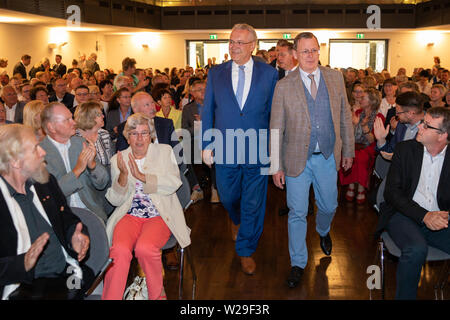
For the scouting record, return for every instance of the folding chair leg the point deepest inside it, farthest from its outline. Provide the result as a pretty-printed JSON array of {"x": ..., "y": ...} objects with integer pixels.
[
  {"x": 381, "y": 249},
  {"x": 375, "y": 262},
  {"x": 442, "y": 280},
  {"x": 180, "y": 284},
  {"x": 194, "y": 274}
]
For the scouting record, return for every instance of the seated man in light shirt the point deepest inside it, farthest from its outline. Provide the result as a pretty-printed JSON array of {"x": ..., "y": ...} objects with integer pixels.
[
  {"x": 418, "y": 199},
  {"x": 72, "y": 160}
]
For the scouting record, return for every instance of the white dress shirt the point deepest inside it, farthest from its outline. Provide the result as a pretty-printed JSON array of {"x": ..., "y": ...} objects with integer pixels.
[
  {"x": 385, "y": 106},
  {"x": 10, "y": 112},
  {"x": 286, "y": 72},
  {"x": 63, "y": 149},
  {"x": 411, "y": 131},
  {"x": 248, "y": 78},
  {"x": 426, "y": 191}
]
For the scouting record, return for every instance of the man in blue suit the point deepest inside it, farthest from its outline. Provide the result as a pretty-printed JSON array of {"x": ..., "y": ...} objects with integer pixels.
[{"x": 237, "y": 105}]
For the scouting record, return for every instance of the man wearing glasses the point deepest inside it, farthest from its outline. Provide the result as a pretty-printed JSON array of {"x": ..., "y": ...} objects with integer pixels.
[
  {"x": 418, "y": 198},
  {"x": 311, "y": 117},
  {"x": 409, "y": 110},
  {"x": 238, "y": 100}
]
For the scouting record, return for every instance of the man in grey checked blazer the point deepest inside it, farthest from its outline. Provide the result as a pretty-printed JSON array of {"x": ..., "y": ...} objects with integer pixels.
[{"x": 311, "y": 129}]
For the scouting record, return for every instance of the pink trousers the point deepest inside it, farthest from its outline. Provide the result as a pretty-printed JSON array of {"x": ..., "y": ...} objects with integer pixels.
[{"x": 146, "y": 237}]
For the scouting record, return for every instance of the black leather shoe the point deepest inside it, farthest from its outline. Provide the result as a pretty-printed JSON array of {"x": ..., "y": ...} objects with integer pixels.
[
  {"x": 325, "y": 244},
  {"x": 283, "y": 211},
  {"x": 294, "y": 277}
]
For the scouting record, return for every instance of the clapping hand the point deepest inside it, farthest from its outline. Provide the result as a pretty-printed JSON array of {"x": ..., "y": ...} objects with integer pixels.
[
  {"x": 387, "y": 155},
  {"x": 83, "y": 159},
  {"x": 80, "y": 242},
  {"x": 393, "y": 123},
  {"x": 134, "y": 169},
  {"x": 123, "y": 176},
  {"x": 32, "y": 255},
  {"x": 91, "y": 155},
  {"x": 355, "y": 119}
]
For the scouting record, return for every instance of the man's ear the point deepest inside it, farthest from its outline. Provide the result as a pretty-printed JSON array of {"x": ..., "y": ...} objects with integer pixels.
[
  {"x": 50, "y": 127},
  {"x": 16, "y": 163}
]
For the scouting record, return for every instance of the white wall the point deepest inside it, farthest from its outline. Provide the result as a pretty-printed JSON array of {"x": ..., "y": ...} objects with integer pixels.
[
  {"x": 17, "y": 40},
  {"x": 406, "y": 49}
]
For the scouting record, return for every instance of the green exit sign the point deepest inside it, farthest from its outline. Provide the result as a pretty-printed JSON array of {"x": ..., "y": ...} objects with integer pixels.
[
  {"x": 286, "y": 36},
  {"x": 213, "y": 37},
  {"x": 360, "y": 36}
]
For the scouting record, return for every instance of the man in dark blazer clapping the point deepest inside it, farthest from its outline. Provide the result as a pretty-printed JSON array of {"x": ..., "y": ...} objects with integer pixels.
[{"x": 418, "y": 199}]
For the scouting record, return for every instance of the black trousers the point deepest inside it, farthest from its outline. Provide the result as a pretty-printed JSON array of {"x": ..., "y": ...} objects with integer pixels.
[{"x": 54, "y": 288}]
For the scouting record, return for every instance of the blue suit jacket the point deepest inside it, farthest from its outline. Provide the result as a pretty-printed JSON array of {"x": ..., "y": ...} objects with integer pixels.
[
  {"x": 398, "y": 136},
  {"x": 221, "y": 111}
]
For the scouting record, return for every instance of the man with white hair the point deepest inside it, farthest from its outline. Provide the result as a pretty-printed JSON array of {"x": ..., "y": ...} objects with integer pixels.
[
  {"x": 143, "y": 102},
  {"x": 14, "y": 108},
  {"x": 42, "y": 240}
]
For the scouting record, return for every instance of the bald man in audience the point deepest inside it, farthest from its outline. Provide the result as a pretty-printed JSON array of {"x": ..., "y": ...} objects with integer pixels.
[
  {"x": 143, "y": 102},
  {"x": 75, "y": 83},
  {"x": 72, "y": 160}
]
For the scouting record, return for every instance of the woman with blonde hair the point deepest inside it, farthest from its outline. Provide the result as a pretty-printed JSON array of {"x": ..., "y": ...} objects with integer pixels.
[
  {"x": 89, "y": 122},
  {"x": 94, "y": 93},
  {"x": 32, "y": 117}
]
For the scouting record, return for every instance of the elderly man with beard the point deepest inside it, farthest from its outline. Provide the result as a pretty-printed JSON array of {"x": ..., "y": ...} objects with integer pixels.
[{"x": 41, "y": 239}]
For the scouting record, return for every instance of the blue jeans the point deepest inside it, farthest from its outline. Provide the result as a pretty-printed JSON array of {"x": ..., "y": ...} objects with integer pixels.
[
  {"x": 322, "y": 174},
  {"x": 413, "y": 240}
]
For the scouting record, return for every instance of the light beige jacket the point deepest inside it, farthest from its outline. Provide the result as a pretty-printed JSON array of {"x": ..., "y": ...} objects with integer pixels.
[
  {"x": 290, "y": 126},
  {"x": 163, "y": 180}
]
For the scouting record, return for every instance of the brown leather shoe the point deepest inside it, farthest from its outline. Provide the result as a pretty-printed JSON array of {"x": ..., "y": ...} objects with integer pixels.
[
  {"x": 171, "y": 259},
  {"x": 234, "y": 231},
  {"x": 248, "y": 265}
]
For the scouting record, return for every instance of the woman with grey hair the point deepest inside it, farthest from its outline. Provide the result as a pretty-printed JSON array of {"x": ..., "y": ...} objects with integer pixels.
[
  {"x": 89, "y": 121},
  {"x": 145, "y": 178}
]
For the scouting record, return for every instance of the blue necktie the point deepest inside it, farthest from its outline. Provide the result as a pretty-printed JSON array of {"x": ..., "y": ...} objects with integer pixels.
[{"x": 240, "y": 86}]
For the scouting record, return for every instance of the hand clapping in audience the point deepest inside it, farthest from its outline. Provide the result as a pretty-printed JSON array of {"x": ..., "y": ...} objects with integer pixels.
[
  {"x": 80, "y": 242},
  {"x": 134, "y": 169},
  {"x": 35, "y": 251}
]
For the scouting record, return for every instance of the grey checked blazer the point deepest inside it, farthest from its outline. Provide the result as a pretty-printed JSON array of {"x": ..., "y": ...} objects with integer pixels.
[{"x": 290, "y": 116}]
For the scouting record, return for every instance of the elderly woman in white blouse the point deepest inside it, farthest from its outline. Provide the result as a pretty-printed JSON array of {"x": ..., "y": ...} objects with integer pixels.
[{"x": 145, "y": 178}]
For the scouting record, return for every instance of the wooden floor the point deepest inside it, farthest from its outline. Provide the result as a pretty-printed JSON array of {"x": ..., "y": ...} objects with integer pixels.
[{"x": 340, "y": 276}]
